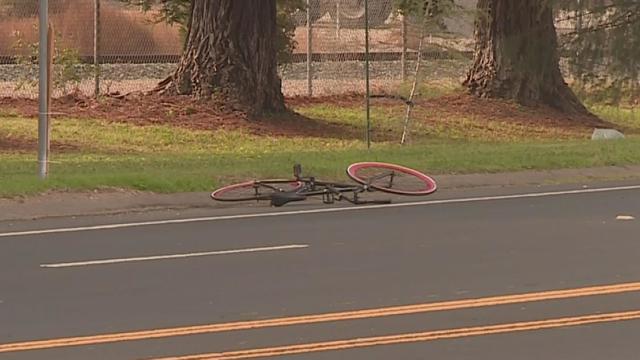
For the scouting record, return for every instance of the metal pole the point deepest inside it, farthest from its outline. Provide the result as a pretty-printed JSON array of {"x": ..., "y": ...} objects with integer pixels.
[
  {"x": 43, "y": 118},
  {"x": 309, "y": 51},
  {"x": 50, "y": 54},
  {"x": 338, "y": 19},
  {"x": 96, "y": 47},
  {"x": 407, "y": 116},
  {"x": 366, "y": 71}
]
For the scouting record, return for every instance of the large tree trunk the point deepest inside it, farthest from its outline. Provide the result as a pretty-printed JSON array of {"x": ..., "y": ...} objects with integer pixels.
[
  {"x": 516, "y": 55},
  {"x": 231, "y": 53}
]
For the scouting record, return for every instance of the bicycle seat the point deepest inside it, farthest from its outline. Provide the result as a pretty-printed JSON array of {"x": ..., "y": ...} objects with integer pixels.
[{"x": 281, "y": 198}]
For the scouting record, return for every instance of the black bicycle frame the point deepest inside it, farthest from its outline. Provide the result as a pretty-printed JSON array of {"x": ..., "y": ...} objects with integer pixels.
[{"x": 330, "y": 191}]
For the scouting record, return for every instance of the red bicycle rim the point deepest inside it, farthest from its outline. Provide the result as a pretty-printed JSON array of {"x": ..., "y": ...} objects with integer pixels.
[
  {"x": 408, "y": 181},
  {"x": 247, "y": 190}
]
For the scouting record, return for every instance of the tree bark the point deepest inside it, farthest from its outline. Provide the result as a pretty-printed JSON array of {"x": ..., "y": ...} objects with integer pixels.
[
  {"x": 231, "y": 53},
  {"x": 516, "y": 55}
]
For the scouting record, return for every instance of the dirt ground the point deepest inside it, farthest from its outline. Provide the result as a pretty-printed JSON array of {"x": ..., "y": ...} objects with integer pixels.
[
  {"x": 193, "y": 114},
  {"x": 500, "y": 110},
  {"x": 22, "y": 145},
  {"x": 458, "y": 105},
  {"x": 179, "y": 111}
]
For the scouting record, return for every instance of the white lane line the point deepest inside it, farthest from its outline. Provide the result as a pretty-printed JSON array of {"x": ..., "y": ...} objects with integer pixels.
[
  {"x": 318, "y": 211},
  {"x": 174, "y": 256}
]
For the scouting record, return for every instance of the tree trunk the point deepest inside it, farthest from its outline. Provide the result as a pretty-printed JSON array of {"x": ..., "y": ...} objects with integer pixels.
[
  {"x": 516, "y": 55},
  {"x": 231, "y": 53}
]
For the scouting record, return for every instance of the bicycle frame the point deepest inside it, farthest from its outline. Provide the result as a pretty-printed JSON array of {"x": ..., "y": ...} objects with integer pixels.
[
  {"x": 368, "y": 177},
  {"x": 330, "y": 191}
]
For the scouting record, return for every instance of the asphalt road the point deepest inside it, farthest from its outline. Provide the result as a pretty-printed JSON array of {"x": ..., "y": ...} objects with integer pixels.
[{"x": 550, "y": 277}]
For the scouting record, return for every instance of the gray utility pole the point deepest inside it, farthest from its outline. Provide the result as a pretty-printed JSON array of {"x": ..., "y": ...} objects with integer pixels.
[{"x": 43, "y": 119}]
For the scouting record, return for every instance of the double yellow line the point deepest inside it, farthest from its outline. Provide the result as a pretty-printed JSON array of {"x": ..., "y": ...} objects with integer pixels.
[
  {"x": 311, "y": 319},
  {"x": 413, "y": 337}
]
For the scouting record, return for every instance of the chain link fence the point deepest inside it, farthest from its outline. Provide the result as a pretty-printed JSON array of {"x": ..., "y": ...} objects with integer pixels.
[
  {"x": 134, "y": 51},
  {"x": 337, "y": 49}
]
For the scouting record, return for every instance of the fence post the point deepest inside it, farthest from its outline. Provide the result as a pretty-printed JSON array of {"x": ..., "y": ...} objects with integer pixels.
[
  {"x": 309, "y": 51},
  {"x": 407, "y": 116},
  {"x": 51, "y": 46},
  {"x": 44, "y": 88},
  {"x": 366, "y": 64},
  {"x": 338, "y": 19},
  {"x": 96, "y": 47},
  {"x": 403, "y": 59}
]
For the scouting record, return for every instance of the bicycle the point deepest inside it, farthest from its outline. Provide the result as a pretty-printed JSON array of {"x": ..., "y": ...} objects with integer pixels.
[{"x": 369, "y": 176}]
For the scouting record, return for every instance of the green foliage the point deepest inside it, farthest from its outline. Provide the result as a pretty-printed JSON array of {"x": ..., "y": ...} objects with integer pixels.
[
  {"x": 604, "y": 47},
  {"x": 434, "y": 10},
  {"x": 418, "y": 7},
  {"x": 68, "y": 69},
  {"x": 174, "y": 12},
  {"x": 178, "y": 12},
  {"x": 287, "y": 25},
  {"x": 27, "y": 58}
]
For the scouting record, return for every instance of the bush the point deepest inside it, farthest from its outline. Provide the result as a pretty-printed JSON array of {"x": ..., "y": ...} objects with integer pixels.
[{"x": 68, "y": 70}]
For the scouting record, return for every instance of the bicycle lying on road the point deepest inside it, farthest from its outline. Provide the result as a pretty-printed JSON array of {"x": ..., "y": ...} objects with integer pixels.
[{"x": 370, "y": 176}]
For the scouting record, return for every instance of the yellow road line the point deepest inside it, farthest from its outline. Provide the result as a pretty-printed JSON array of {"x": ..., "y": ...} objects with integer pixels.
[
  {"x": 414, "y": 337},
  {"x": 310, "y": 319}
]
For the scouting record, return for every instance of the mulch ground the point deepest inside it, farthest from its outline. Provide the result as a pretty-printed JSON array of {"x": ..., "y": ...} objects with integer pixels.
[
  {"x": 207, "y": 115},
  {"x": 462, "y": 105},
  {"x": 500, "y": 110},
  {"x": 26, "y": 145},
  {"x": 183, "y": 112}
]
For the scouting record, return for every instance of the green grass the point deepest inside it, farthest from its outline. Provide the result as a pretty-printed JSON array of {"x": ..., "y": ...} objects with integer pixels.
[
  {"x": 384, "y": 118},
  {"x": 8, "y": 113},
  {"x": 170, "y": 159},
  {"x": 117, "y": 138},
  {"x": 431, "y": 89},
  {"x": 628, "y": 118},
  {"x": 387, "y": 122}
]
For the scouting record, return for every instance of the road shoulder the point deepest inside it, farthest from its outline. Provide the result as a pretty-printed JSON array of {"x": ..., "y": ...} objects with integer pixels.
[{"x": 119, "y": 202}]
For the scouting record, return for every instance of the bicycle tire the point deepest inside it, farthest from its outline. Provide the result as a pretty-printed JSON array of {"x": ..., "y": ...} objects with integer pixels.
[
  {"x": 254, "y": 190},
  {"x": 401, "y": 181}
]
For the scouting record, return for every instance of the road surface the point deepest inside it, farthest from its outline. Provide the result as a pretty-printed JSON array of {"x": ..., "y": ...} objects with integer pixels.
[{"x": 555, "y": 276}]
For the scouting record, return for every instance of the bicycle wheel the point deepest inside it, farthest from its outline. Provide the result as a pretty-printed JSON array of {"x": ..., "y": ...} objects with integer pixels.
[
  {"x": 254, "y": 190},
  {"x": 391, "y": 178}
]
